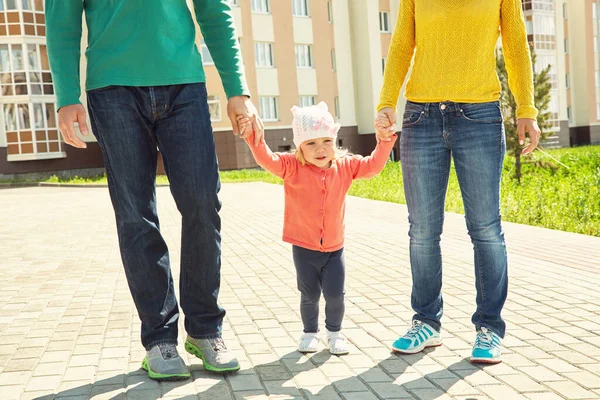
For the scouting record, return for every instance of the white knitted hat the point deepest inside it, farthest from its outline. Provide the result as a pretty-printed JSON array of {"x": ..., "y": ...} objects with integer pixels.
[{"x": 313, "y": 122}]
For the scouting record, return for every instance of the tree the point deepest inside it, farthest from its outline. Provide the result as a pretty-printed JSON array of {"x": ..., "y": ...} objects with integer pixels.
[{"x": 542, "y": 97}]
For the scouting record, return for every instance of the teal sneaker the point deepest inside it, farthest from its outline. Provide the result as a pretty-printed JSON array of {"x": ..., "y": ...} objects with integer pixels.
[
  {"x": 417, "y": 338},
  {"x": 487, "y": 347}
]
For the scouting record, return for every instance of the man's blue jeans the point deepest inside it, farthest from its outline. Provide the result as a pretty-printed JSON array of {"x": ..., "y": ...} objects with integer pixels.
[
  {"x": 473, "y": 136},
  {"x": 130, "y": 123}
]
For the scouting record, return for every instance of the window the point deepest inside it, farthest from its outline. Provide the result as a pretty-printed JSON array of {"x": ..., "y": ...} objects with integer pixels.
[
  {"x": 384, "y": 21},
  {"x": 234, "y": 2},
  {"x": 31, "y": 128},
  {"x": 268, "y": 108},
  {"x": 567, "y": 80},
  {"x": 529, "y": 26},
  {"x": 24, "y": 17},
  {"x": 544, "y": 24},
  {"x": 569, "y": 114},
  {"x": 24, "y": 70},
  {"x": 306, "y": 101},
  {"x": 206, "y": 57},
  {"x": 595, "y": 44},
  {"x": 214, "y": 107},
  {"x": 383, "y": 65},
  {"x": 564, "y": 10},
  {"x": 260, "y": 6},
  {"x": 264, "y": 54},
  {"x": 330, "y": 12},
  {"x": 597, "y": 78},
  {"x": 304, "y": 56},
  {"x": 336, "y": 102},
  {"x": 333, "y": 62},
  {"x": 594, "y": 10},
  {"x": 566, "y": 45},
  {"x": 300, "y": 8}
]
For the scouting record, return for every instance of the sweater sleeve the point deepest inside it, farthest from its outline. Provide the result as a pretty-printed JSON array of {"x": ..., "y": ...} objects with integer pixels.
[
  {"x": 368, "y": 167},
  {"x": 282, "y": 165},
  {"x": 517, "y": 57},
  {"x": 63, "y": 38},
  {"x": 218, "y": 29},
  {"x": 400, "y": 55}
]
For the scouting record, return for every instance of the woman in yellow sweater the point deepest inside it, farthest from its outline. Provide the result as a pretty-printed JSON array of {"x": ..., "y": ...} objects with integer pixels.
[{"x": 453, "y": 112}]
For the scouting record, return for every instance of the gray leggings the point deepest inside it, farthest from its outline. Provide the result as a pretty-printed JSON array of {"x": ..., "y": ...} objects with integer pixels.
[{"x": 316, "y": 272}]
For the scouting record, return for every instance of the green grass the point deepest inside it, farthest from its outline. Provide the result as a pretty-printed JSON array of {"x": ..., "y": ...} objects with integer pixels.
[{"x": 549, "y": 194}]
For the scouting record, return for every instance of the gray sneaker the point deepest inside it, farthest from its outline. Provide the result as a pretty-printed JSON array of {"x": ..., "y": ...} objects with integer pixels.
[
  {"x": 163, "y": 363},
  {"x": 213, "y": 353}
]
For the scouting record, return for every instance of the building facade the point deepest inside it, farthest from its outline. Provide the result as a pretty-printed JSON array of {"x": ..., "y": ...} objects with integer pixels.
[
  {"x": 580, "y": 20},
  {"x": 296, "y": 52}
]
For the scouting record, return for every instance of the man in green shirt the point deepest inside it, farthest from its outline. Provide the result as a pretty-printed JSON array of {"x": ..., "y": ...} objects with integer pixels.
[{"x": 146, "y": 90}]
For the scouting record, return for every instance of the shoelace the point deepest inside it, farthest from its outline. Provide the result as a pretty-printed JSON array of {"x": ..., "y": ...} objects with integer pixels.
[
  {"x": 484, "y": 340},
  {"x": 412, "y": 332},
  {"x": 218, "y": 344},
  {"x": 168, "y": 351}
]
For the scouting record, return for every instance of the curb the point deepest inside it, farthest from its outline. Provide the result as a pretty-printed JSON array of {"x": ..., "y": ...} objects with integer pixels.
[{"x": 58, "y": 184}]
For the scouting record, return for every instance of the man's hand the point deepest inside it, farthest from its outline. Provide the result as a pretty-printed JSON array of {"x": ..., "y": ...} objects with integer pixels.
[
  {"x": 528, "y": 125},
  {"x": 68, "y": 116},
  {"x": 242, "y": 106},
  {"x": 385, "y": 125}
]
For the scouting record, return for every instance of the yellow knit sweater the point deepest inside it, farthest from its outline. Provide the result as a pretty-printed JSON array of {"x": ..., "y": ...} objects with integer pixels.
[{"x": 455, "y": 42}]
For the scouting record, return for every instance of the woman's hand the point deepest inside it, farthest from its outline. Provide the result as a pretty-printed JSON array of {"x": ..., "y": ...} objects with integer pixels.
[
  {"x": 385, "y": 124},
  {"x": 528, "y": 125}
]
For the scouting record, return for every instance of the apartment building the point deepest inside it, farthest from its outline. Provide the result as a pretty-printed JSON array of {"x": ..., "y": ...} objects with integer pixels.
[
  {"x": 580, "y": 22},
  {"x": 296, "y": 52}
]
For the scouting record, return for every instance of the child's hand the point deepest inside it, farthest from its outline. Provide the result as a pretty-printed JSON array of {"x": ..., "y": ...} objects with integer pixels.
[
  {"x": 385, "y": 125},
  {"x": 245, "y": 126}
]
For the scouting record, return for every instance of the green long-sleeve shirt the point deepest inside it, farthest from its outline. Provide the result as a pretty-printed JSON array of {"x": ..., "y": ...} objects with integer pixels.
[{"x": 140, "y": 43}]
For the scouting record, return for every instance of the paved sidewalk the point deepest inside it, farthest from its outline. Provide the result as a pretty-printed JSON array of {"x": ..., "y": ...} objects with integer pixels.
[{"x": 68, "y": 327}]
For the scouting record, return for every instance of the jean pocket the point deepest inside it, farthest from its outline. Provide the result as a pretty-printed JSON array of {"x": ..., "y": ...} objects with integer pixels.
[
  {"x": 412, "y": 117},
  {"x": 485, "y": 113}
]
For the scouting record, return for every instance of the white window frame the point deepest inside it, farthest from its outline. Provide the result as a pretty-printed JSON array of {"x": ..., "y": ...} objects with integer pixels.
[
  {"x": 30, "y": 107},
  {"x": 269, "y": 108},
  {"x": 333, "y": 61},
  {"x": 300, "y": 8},
  {"x": 330, "y": 12},
  {"x": 214, "y": 103},
  {"x": 263, "y": 54},
  {"x": 384, "y": 22},
  {"x": 32, "y": 74},
  {"x": 307, "y": 101},
  {"x": 261, "y": 6},
  {"x": 304, "y": 56}
]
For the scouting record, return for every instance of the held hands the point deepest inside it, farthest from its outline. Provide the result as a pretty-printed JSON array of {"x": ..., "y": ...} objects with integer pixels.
[
  {"x": 241, "y": 106},
  {"x": 385, "y": 125},
  {"x": 528, "y": 125},
  {"x": 245, "y": 127}
]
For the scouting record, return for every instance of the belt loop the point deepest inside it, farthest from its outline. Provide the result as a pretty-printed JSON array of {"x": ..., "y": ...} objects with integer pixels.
[
  {"x": 427, "y": 106},
  {"x": 458, "y": 109}
]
